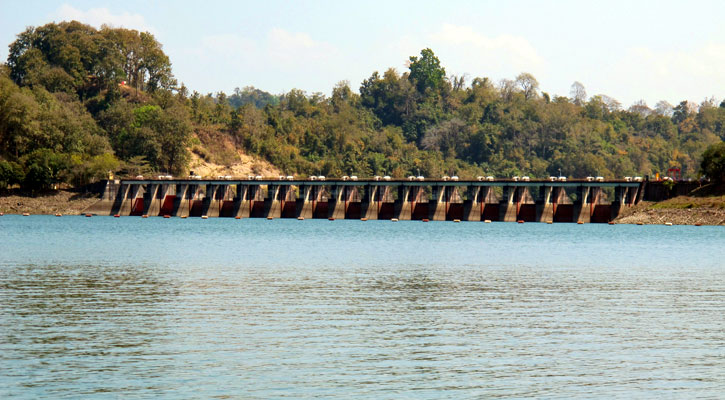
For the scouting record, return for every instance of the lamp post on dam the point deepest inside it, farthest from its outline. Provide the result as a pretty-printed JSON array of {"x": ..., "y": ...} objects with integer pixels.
[{"x": 509, "y": 200}]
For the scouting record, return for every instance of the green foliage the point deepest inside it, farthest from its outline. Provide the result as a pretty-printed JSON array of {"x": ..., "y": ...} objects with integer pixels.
[
  {"x": 85, "y": 170},
  {"x": 252, "y": 95},
  {"x": 713, "y": 162},
  {"x": 65, "y": 118},
  {"x": 11, "y": 173},
  {"x": 135, "y": 166},
  {"x": 76, "y": 58},
  {"x": 159, "y": 135},
  {"x": 43, "y": 168},
  {"x": 63, "y": 115},
  {"x": 426, "y": 71}
]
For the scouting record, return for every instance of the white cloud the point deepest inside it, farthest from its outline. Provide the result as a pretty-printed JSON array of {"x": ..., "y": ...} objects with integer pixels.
[
  {"x": 279, "y": 61},
  {"x": 462, "y": 49},
  {"x": 297, "y": 47},
  {"x": 100, "y": 16},
  {"x": 672, "y": 75},
  {"x": 226, "y": 44},
  {"x": 504, "y": 50}
]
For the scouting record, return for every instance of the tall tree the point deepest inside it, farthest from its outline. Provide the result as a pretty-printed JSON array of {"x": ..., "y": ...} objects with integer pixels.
[
  {"x": 664, "y": 108},
  {"x": 528, "y": 84},
  {"x": 426, "y": 71},
  {"x": 578, "y": 93},
  {"x": 713, "y": 162}
]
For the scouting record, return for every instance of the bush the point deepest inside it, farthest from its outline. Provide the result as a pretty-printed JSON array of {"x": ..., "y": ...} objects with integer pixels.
[
  {"x": 713, "y": 162},
  {"x": 85, "y": 170},
  {"x": 11, "y": 173},
  {"x": 43, "y": 168}
]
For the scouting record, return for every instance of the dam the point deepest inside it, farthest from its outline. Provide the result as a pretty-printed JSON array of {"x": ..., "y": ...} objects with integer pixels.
[{"x": 509, "y": 200}]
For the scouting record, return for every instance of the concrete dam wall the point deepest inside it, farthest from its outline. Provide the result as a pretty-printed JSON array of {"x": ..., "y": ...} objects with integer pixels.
[{"x": 581, "y": 201}]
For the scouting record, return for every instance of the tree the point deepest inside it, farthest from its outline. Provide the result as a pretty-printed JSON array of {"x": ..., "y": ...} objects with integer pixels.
[
  {"x": 69, "y": 57},
  {"x": 135, "y": 166},
  {"x": 611, "y": 103},
  {"x": 74, "y": 57},
  {"x": 155, "y": 64},
  {"x": 252, "y": 95},
  {"x": 713, "y": 162},
  {"x": 161, "y": 136},
  {"x": 43, "y": 168},
  {"x": 640, "y": 108},
  {"x": 11, "y": 173},
  {"x": 343, "y": 98},
  {"x": 59, "y": 93},
  {"x": 528, "y": 84},
  {"x": 458, "y": 81},
  {"x": 144, "y": 63},
  {"x": 426, "y": 72},
  {"x": 507, "y": 88},
  {"x": 683, "y": 111},
  {"x": 664, "y": 108},
  {"x": 392, "y": 98},
  {"x": 85, "y": 170},
  {"x": 577, "y": 93},
  {"x": 445, "y": 137}
]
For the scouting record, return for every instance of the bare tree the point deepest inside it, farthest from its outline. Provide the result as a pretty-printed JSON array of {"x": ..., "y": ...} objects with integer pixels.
[
  {"x": 458, "y": 81},
  {"x": 611, "y": 103},
  {"x": 640, "y": 107},
  {"x": 664, "y": 108},
  {"x": 506, "y": 87},
  {"x": 483, "y": 82},
  {"x": 577, "y": 93},
  {"x": 445, "y": 136},
  {"x": 529, "y": 85},
  {"x": 709, "y": 102}
]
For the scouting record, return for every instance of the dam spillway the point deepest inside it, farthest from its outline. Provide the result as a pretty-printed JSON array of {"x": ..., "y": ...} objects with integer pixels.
[{"x": 579, "y": 201}]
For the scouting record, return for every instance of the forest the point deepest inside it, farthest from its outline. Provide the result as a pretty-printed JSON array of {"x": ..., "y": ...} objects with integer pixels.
[{"x": 77, "y": 102}]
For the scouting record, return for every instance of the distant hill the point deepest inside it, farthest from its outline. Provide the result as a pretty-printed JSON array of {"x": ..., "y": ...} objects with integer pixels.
[{"x": 253, "y": 96}]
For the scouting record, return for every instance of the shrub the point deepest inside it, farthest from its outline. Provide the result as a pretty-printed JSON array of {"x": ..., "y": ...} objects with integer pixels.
[
  {"x": 713, "y": 162},
  {"x": 11, "y": 173}
]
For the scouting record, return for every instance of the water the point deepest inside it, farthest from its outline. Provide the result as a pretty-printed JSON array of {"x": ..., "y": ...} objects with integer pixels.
[{"x": 220, "y": 308}]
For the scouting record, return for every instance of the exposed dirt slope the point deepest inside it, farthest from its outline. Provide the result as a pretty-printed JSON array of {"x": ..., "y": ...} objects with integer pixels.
[
  {"x": 215, "y": 153},
  {"x": 244, "y": 165}
]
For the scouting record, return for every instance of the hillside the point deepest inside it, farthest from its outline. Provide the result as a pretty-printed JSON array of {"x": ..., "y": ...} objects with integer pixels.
[{"x": 77, "y": 102}]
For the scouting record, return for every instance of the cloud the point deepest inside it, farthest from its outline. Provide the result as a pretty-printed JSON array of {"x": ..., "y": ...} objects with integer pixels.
[
  {"x": 226, "y": 44},
  {"x": 673, "y": 75},
  {"x": 100, "y": 16},
  {"x": 462, "y": 49},
  {"x": 297, "y": 47},
  {"x": 503, "y": 50},
  {"x": 278, "y": 61}
]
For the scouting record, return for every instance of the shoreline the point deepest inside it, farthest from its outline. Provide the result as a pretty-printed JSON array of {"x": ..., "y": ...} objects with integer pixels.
[
  {"x": 63, "y": 202},
  {"x": 648, "y": 213},
  {"x": 681, "y": 210}
]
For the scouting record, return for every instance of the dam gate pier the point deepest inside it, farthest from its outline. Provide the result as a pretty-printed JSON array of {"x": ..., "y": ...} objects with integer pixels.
[{"x": 577, "y": 201}]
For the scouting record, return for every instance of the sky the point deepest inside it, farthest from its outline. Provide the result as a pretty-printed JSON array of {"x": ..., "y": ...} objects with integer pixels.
[{"x": 630, "y": 51}]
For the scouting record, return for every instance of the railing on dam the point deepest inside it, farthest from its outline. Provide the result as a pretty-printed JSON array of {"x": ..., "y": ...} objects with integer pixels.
[{"x": 436, "y": 200}]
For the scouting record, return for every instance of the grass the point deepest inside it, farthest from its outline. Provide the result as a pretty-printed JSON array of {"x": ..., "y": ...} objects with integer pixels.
[
  {"x": 686, "y": 202},
  {"x": 665, "y": 205}
]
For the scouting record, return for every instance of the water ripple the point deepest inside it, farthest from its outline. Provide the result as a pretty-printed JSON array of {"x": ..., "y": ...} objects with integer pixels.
[{"x": 250, "y": 313}]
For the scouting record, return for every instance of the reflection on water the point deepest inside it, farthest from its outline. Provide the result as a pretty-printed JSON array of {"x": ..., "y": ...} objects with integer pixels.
[{"x": 268, "y": 310}]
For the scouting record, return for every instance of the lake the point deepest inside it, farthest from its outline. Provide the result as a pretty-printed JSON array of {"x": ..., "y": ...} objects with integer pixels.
[{"x": 223, "y": 308}]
